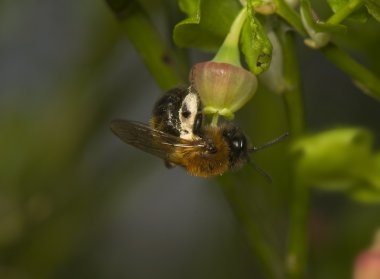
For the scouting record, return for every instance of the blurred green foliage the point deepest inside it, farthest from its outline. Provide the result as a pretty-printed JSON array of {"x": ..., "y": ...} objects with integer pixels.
[{"x": 340, "y": 160}]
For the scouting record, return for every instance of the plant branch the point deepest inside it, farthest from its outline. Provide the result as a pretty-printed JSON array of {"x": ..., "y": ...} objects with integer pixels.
[
  {"x": 345, "y": 11},
  {"x": 297, "y": 245},
  {"x": 147, "y": 41},
  {"x": 269, "y": 261},
  {"x": 292, "y": 93},
  {"x": 287, "y": 13},
  {"x": 298, "y": 241},
  {"x": 367, "y": 81}
]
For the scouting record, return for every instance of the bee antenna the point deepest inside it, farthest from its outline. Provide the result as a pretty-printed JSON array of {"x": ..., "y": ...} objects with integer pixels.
[
  {"x": 269, "y": 143},
  {"x": 262, "y": 172}
]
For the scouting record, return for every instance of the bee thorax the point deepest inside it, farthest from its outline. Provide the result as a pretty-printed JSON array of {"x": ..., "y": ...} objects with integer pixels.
[{"x": 178, "y": 112}]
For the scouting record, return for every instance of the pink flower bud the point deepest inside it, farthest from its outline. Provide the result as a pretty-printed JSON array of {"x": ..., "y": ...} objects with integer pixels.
[
  {"x": 367, "y": 265},
  {"x": 223, "y": 88}
]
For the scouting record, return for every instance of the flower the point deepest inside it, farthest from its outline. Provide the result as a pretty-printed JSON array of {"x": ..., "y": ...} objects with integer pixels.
[
  {"x": 223, "y": 88},
  {"x": 223, "y": 85}
]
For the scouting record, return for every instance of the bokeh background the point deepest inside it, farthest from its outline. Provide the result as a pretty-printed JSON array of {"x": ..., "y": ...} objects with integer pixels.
[{"x": 75, "y": 202}]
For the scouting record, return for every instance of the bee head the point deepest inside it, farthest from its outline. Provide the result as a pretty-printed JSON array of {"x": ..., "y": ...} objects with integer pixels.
[{"x": 237, "y": 143}]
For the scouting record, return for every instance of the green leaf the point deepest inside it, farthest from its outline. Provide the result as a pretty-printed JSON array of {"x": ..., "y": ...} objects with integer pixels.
[
  {"x": 340, "y": 160},
  {"x": 255, "y": 45},
  {"x": 274, "y": 78},
  {"x": 335, "y": 160},
  {"x": 207, "y": 23},
  {"x": 360, "y": 15},
  {"x": 373, "y": 7}
]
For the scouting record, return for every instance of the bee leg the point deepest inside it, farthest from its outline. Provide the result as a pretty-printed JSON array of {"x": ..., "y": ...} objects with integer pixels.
[{"x": 169, "y": 165}]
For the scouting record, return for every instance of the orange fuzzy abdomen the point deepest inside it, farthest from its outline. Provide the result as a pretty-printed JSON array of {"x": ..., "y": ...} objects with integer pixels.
[{"x": 199, "y": 162}]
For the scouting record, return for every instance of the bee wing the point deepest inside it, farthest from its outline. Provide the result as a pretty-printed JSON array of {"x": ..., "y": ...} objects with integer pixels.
[{"x": 150, "y": 140}]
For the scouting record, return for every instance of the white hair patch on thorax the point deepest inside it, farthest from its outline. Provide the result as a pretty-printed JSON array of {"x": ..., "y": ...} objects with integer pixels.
[{"x": 187, "y": 115}]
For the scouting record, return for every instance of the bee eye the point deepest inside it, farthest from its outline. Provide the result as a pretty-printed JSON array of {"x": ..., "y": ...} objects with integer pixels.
[{"x": 238, "y": 143}]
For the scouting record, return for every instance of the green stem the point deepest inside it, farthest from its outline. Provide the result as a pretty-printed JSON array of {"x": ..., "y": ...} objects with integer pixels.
[
  {"x": 367, "y": 81},
  {"x": 214, "y": 120},
  {"x": 229, "y": 51},
  {"x": 291, "y": 16},
  {"x": 345, "y": 11},
  {"x": 297, "y": 250},
  {"x": 145, "y": 38},
  {"x": 292, "y": 93},
  {"x": 296, "y": 258},
  {"x": 266, "y": 255}
]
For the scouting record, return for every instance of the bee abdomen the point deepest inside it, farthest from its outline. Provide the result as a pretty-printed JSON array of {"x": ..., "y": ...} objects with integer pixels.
[
  {"x": 203, "y": 161},
  {"x": 206, "y": 168}
]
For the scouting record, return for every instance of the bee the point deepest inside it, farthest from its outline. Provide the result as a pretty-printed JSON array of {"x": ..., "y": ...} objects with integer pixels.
[{"x": 176, "y": 135}]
